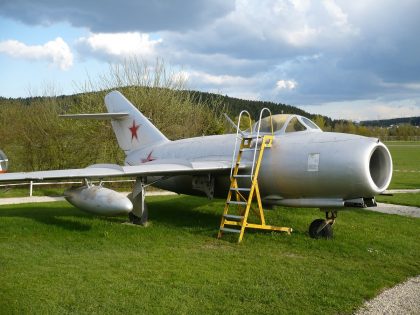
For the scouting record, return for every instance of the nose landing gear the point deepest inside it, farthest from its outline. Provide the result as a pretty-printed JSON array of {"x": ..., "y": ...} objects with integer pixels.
[{"x": 321, "y": 228}]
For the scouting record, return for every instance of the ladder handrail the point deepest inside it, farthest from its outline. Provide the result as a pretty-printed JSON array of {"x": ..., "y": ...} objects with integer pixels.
[
  {"x": 258, "y": 136},
  {"x": 271, "y": 120},
  {"x": 238, "y": 130}
]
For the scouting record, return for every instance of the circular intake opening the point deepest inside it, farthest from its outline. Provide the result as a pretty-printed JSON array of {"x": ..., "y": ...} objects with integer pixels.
[{"x": 380, "y": 167}]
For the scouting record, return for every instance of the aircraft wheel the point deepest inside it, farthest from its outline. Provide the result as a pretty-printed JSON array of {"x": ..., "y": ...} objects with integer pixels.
[{"x": 319, "y": 228}]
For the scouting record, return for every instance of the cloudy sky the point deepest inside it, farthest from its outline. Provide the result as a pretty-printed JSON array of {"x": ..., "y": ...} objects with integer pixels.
[{"x": 345, "y": 59}]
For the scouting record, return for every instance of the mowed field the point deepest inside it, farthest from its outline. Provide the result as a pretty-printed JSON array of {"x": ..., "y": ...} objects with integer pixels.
[
  {"x": 406, "y": 160},
  {"x": 56, "y": 259}
]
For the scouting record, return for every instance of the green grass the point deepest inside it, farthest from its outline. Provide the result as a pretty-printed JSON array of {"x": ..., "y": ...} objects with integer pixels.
[
  {"x": 24, "y": 192},
  {"x": 57, "y": 190},
  {"x": 56, "y": 259},
  {"x": 406, "y": 159},
  {"x": 401, "y": 199}
]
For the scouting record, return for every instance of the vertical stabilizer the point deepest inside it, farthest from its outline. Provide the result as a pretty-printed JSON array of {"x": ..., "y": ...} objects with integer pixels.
[{"x": 134, "y": 131}]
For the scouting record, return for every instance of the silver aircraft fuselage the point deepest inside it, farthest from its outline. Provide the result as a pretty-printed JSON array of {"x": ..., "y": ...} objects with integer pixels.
[{"x": 306, "y": 168}]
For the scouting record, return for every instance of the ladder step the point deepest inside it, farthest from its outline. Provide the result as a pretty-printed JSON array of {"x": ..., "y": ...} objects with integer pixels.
[
  {"x": 246, "y": 175},
  {"x": 243, "y": 203},
  {"x": 230, "y": 230},
  {"x": 251, "y": 137},
  {"x": 232, "y": 217},
  {"x": 249, "y": 149},
  {"x": 240, "y": 189},
  {"x": 243, "y": 164}
]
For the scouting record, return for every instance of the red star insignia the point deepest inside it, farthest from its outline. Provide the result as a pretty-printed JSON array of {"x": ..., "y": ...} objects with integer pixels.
[
  {"x": 149, "y": 158},
  {"x": 133, "y": 130}
]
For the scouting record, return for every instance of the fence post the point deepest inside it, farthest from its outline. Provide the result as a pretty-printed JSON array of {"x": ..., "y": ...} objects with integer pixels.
[{"x": 30, "y": 188}]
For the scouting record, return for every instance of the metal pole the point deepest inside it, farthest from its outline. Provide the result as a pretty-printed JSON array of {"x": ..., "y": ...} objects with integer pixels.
[{"x": 30, "y": 188}]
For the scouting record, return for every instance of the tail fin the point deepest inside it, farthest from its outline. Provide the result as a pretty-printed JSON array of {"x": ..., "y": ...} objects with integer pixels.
[{"x": 135, "y": 130}]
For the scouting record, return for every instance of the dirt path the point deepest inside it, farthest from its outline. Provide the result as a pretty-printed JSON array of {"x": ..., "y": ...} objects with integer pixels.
[{"x": 404, "y": 298}]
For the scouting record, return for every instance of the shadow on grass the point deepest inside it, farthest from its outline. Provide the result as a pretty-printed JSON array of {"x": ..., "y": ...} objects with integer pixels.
[
  {"x": 179, "y": 212},
  {"x": 199, "y": 215},
  {"x": 50, "y": 214},
  {"x": 185, "y": 211}
]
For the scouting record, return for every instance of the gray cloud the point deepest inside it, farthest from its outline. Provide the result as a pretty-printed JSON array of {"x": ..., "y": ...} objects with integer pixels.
[
  {"x": 118, "y": 16},
  {"x": 364, "y": 50},
  {"x": 327, "y": 51}
]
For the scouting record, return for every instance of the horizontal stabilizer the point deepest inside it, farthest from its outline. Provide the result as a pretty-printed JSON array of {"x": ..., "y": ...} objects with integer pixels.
[{"x": 98, "y": 116}]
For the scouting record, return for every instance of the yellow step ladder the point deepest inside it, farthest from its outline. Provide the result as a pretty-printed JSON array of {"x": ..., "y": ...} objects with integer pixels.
[{"x": 239, "y": 197}]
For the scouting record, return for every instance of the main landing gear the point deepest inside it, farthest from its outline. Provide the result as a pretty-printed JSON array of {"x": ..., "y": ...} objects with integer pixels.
[
  {"x": 139, "y": 215},
  {"x": 321, "y": 228}
]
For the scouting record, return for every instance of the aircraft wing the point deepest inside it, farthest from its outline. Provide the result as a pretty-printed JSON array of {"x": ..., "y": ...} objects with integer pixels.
[{"x": 153, "y": 168}]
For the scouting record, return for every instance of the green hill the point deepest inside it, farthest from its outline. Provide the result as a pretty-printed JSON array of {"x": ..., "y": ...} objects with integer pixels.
[{"x": 233, "y": 106}]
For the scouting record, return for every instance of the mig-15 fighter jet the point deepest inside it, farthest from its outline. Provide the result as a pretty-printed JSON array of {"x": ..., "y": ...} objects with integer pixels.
[{"x": 304, "y": 167}]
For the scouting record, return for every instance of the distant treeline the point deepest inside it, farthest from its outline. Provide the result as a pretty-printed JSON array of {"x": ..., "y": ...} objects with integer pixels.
[
  {"x": 404, "y": 132},
  {"x": 414, "y": 121},
  {"x": 386, "y": 130},
  {"x": 233, "y": 106}
]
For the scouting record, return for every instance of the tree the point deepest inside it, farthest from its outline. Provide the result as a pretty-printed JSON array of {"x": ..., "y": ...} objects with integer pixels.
[
  {"x": 320, "y": 122},
  {"x": 38, "y": 139}
]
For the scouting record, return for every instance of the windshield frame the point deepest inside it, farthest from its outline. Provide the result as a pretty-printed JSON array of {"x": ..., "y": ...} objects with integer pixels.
[{"x": 284, "y": 120}]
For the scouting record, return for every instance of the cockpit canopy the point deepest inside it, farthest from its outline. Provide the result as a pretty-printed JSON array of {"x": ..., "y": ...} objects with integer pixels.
[
  {"x": 285, "y": 123},
  {"x": 3, "y": 162}
]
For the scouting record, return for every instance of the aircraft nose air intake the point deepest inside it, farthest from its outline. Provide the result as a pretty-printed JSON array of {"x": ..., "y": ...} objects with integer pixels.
[{"x": 380, "y": 167}]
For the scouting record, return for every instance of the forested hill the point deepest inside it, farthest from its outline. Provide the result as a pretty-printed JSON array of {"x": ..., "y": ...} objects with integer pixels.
[
  {"x": 229, "y": 104},
  {"x": 235, "y": 105},
  {"x": 414, "y": 121}
]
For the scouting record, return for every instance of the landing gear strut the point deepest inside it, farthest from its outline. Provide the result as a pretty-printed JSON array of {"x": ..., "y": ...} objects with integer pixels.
[
  {"x": 321, "y": 228},
  {"x": 139, "y": 214}
]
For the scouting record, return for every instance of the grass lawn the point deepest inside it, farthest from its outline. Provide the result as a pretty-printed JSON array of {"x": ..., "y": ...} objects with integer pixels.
[
  {"x": 55, "y": 190},
  {"x": 406, "y": 159},
  {"x": 56, "y": 259},
  {"x": 401, "y": 199},
  {"x": 24, "y": 192}
]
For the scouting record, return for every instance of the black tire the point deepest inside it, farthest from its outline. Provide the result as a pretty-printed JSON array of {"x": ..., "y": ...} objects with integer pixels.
[{"x": 326, "y": 232}]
